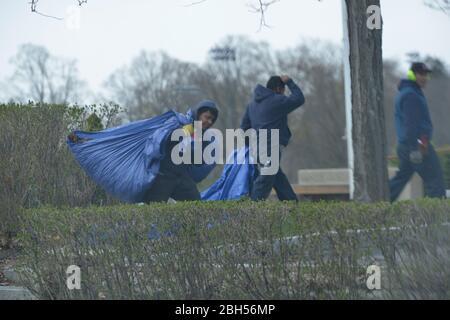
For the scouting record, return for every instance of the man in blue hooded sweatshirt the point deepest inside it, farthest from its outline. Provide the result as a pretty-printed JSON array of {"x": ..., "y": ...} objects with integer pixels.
[
  {"x": 269, "y": 110},
  {"x": 414, "y": 134},
  {"x": 178, "y": 181}
]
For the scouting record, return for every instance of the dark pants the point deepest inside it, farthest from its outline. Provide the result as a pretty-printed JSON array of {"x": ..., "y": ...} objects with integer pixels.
[
  {"x": 262, "y": 186},
  {"x": 179, "y": 187},
  {"x": 430, "y": 171}
]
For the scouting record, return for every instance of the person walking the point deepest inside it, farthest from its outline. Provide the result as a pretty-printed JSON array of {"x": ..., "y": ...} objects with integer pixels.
[
  {"x": 269, "y": 110},
  {"x": 414, "y": 133}
]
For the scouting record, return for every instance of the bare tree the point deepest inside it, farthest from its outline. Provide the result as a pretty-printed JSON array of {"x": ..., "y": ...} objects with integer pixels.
[
  {"x": 369, "y": 130},
  {"x": 155, "y": 82},
  {"x": 34, "y": 5},
  {"x": 152, "y": 84},
  {"x": 318, "y": 128},
  {"x": 41, "y": 77},
  {"x": 231, "y": 82},
  {"x": 443, "y": 5}
]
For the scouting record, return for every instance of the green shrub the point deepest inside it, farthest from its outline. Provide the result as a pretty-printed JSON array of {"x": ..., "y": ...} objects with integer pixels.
[
  {"x": 36, "y": 167},
  {"x": 239, "y": 250},
  {"x": 94, "y": 123},
  {"x": 447, "y": 170}
]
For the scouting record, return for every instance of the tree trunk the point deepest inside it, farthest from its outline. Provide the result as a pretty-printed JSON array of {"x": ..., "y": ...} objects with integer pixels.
[{"x": 369, "y": 133}]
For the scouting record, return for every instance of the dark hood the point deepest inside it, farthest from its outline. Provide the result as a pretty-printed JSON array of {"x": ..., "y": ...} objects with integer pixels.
[
  {"x": 208, "y": 105},
  {"x": 408, "y": 84},
  {"x": 261, "y": 93}
]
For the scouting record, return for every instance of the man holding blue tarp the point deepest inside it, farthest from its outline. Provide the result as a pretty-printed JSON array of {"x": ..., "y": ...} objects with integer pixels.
[
  {"x": 178, "y": 181},
  {"x": 132, "y": 162}
]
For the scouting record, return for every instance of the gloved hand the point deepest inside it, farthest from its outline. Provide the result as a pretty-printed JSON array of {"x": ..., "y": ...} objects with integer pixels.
[
  {"x": 423, "y": 145},
  {"x": 285, "y": 78},
  {"x": 416, "y": 157},
  {"x": 72, "y": 137}
]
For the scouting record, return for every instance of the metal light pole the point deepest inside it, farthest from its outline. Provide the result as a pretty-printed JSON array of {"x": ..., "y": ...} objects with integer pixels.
[
  {"x": 225, "y": 53},
  {"x": 348, "y": 100},
  {"x": 228, "y": 56}
]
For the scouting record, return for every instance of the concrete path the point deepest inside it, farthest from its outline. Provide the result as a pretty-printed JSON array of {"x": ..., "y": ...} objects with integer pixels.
[
  {"x": 12, "y": 292},
  {"x": 15, "y": 293}
]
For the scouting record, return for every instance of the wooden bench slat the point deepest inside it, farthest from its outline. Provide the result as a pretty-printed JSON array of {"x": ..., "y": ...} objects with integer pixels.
[{"x": 320, "y": 190}]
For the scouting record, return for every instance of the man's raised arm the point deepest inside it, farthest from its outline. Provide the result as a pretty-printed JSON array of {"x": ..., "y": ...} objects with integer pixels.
[{"x": 295, "y": 100}]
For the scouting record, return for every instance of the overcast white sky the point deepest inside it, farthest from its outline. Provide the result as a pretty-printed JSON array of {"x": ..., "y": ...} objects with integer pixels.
[{"x": 114, "y": 31}]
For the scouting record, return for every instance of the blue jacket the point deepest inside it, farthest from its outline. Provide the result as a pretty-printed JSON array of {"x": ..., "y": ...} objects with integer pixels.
[
  {"x": 269, "y": 110},
  {"x": 412, "y": 117}
]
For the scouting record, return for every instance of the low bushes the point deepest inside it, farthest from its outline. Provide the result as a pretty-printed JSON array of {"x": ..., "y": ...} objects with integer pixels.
[
  {"x": 238, "y": 250},
  {"x": 36, "y": 167}
]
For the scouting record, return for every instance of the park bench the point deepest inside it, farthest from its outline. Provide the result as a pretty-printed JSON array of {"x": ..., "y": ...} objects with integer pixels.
[{"x": 333, "y": 184}]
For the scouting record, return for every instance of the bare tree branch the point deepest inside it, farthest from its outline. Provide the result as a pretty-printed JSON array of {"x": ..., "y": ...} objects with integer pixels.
[
  {"x": 195, "y": 3},
  {"x": 443, "y": 5},
  {"x": 33, "y": 6},
  {"x": 261, "y": 7},
  {"x": 34, "y": 3}
]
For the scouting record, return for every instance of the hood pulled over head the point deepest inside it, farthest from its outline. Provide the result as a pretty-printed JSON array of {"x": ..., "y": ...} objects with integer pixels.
[
  {"x": 205, "y": 105},
  {"x": 261, "y": 93}
]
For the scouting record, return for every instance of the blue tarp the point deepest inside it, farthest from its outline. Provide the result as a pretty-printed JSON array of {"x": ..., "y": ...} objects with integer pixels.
[
  {"x": 125, "y": 160},
  {"x": 236, "y": 179}
]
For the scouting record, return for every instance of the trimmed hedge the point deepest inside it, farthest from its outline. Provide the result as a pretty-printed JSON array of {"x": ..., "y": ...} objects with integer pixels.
[
  {"x": 239, "y": 250},
  {"x": 36, "y": 167}
]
